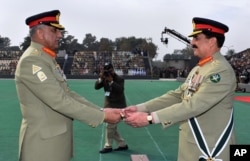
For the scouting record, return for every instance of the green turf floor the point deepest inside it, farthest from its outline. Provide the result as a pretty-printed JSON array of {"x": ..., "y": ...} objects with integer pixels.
[{"x": 159, "y": 144}]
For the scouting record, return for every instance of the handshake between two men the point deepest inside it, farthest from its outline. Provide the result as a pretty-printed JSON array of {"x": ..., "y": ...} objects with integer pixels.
[{"x": 130, "y": 115}]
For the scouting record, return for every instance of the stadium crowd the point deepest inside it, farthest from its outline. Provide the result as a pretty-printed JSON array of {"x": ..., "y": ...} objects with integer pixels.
[
  {"x": 8, "y": 62},
  {"x": 125, "y": 63},
  {"x": 241, "y": 65}
]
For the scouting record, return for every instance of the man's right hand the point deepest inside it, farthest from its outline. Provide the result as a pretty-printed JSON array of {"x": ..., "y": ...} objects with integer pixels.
[
  {"x": 112, "y": 115},
  {"x": 129, "y": 109}
]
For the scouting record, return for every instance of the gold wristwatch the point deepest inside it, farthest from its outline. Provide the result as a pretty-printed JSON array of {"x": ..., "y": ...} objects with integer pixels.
[{"x": 149, "y": 118}]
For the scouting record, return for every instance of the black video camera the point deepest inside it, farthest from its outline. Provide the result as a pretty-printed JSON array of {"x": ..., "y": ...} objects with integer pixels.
[
  {"x": 107, "y": 69},
  {"x": 106, "y": 73}
]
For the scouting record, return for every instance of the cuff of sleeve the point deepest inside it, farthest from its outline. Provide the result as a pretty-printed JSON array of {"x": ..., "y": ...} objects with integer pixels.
[
  {"x": 141, "y": 107},
  {"x": 103, "y": 120},
  {"x": 155, "y": 117}
]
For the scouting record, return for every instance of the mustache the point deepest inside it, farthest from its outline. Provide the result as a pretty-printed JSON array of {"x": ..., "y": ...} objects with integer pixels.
[{"x": 194, "y": 46}]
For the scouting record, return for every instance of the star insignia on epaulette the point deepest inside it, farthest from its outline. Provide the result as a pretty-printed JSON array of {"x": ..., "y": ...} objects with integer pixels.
[{"x": 215, "y": 78}]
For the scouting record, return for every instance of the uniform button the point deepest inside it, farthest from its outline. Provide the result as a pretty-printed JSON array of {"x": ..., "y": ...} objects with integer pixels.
[{"x": 167, "y": 123}]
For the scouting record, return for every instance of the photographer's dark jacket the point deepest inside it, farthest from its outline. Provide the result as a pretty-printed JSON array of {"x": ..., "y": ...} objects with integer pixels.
[{"x": 114, "y": 92}]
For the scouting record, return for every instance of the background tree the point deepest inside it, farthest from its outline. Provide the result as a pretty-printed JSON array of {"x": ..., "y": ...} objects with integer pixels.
[
  {"x": 25, "y": 44},
  {"x": 4, "y": 42},
  {"x": 123, "y": 44},
  {"x": 105, "y": 45},
  {"x": 136, "y": 45},
  {"x": 69, "y": 43},
  {"x": 90, "y": 43},
  {"x": 148, "y": 48},
  {"x": 188, "y": 51}
]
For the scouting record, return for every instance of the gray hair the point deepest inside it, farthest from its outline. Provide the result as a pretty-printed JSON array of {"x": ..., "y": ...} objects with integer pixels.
[{"x": 35, "y": 28}]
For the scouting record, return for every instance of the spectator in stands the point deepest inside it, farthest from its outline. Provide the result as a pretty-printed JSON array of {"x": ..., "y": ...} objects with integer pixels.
[
  {"x": 203, "y": 104},
  {"x": 113, "y": 86},
  {"x": 244, "y": 76},
  {"x": 48, "y": 106},
  {"x": 240, "y": 62}
]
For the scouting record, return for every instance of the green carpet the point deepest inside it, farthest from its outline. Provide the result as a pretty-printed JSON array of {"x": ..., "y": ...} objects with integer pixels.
[{"x": 159, "y": 144}]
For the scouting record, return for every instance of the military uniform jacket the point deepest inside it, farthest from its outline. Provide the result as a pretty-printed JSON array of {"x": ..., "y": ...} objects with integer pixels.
[
  {"x": 207, "y": 94},
  {"x": 114, "y": 93},
  {"x": 48, "y": 108}
]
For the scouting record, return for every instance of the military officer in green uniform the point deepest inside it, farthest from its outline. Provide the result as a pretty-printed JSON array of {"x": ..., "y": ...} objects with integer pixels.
[
  {"x": 47, "y": 104},
  {"x": 202, "y": 105}
]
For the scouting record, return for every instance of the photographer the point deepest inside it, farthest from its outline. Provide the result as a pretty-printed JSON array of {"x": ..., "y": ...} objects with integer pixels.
[{"x": 113, "y": 86}]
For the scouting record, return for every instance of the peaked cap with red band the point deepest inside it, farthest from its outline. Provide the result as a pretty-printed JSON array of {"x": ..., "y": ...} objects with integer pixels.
[
  {"x": 203, "y": 24},
  {"x": 50, "y": 18}
]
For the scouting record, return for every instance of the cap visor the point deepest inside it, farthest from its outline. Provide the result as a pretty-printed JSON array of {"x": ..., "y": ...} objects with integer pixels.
[
  {"x": 195, "y": 33},
  {"x": 60, "y": 27}
]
